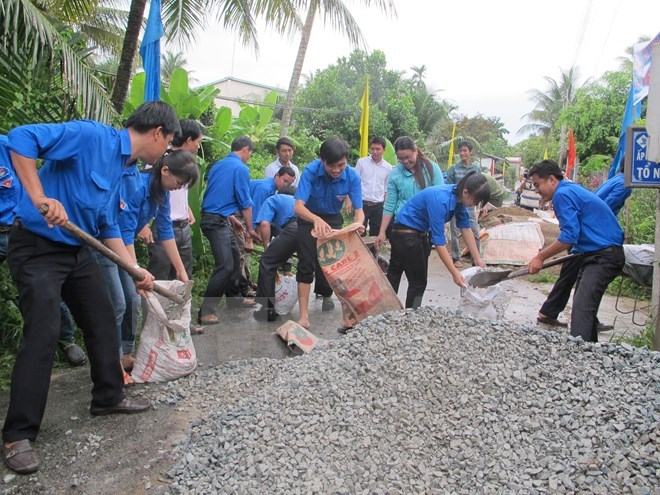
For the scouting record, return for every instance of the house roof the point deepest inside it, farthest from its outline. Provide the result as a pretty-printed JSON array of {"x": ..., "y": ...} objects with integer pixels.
[{"x": 244, "y": 81}]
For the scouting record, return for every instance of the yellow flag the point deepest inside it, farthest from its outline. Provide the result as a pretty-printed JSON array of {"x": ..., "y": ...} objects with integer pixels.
[
  {"x": 450, "y": 159},
  {"x": 364, "y": 121},
  {"x": 545, "y": 153}
]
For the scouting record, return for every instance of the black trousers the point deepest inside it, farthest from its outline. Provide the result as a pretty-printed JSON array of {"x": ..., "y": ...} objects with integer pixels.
[
  {"x": 558, "y": 298},
  {"x": 308, "y": 259},
  {"x": 45, "y": 272},
  {"x": 159, "y": 264},
  {"x": 373, "y": 216},
  {"x": 278, "y": 251},
  {"x": 227, "y": 260},
  {"x": 410, "y": 255},
  {"x": 597, "y": 271}
]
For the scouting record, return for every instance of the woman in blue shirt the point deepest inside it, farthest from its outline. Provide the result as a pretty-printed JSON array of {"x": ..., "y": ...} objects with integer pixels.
[
  {"x": 413, "y": 173},
  {"x": 425, "y": 212},
  {"x": 145, "y": 197}
]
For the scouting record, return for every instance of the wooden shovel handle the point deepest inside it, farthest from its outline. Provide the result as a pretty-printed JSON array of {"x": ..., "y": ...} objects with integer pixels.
[
  {"x": 557, "y": 261},
  {"x": 94, "y": 243}
]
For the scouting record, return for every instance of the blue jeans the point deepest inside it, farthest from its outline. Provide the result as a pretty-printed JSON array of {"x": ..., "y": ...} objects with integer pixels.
[
  {"x": 113, "y": 283},
  {"x": 67, "y": 327},
  {"x": 455, "y": 244},
  {"x": 227, "y": 260}
]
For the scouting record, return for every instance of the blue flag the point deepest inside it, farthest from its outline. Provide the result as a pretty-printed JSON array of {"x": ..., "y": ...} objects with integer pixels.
[
  {"x": 150, "y": 52},
  {"x": 630, "y": 115}
]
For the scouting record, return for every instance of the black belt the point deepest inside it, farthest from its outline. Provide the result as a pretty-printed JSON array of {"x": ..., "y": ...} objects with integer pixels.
[
  {"x": 288, "y": 223},
  {"x": 372, "y": 203},
  {"x": 403, "y": 229},
  {"x": 611, "y": 249},
  {"x": 179, "y": 224}
]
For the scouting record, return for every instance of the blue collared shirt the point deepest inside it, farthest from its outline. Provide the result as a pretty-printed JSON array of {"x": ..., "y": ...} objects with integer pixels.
[
  {"x": 138, "y": 209},
  {"x": 10, "y": 187},
  {"x": 324, "y": 195},
  {"x": 585, "y": 221},
  {"x": 277, "y": 209},
  {"x": 430, "y": 209},
  {"x": 228, "y": 187},
  {"x": 83, "y": 165},
  {"x": 260, "y": 191},
  {"x": 614, "y": 193}
]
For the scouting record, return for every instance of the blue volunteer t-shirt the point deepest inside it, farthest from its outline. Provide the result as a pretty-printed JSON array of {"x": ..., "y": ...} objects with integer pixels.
[
  {"x": 138, "y": 208},
  {"x": 430, "y": 209},
  {"x": 585, "y": 221},
  {"x": 277, "y": 209},
  {"x": 260, "y": 191},
  {"x": 83, "y": 165},
  {"x": 324, "y": 195},
  {"x": 10, "y": 187},
  {"x": 228, "y": 187},
  {"x": 614, "y": 193}
]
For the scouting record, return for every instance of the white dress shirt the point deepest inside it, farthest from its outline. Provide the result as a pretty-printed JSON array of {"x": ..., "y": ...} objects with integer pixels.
[
  {"x": 273, "y": 167},
  {"x": 374, "y": 178}
]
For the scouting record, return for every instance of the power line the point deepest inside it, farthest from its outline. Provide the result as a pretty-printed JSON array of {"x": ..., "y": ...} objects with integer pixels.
[{"x": 585, "y": 22}]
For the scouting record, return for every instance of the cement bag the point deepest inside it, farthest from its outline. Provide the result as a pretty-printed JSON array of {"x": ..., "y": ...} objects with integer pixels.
[
  {"x": 297, "y": 336},
  {"x": 286, "y": 294},
  {"x": 488, "y": 302},
  {"x": 166, "y": 350},
  {"x": 355, "y": 276}
]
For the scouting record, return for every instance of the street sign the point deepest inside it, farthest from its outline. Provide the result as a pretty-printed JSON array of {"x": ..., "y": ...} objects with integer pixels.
[{"x": 639, "y": 172}]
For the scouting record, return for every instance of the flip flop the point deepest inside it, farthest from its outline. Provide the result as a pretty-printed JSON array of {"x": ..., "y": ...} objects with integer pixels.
[
  {"x": 553, "y": 322},
  {"x": 344, "y": 329},
  {"x": 208, "y": 320}
]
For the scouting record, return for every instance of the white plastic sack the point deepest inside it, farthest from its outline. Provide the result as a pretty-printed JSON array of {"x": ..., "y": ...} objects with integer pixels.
[
  {"x": 488, "y": 302},
  {"x": 166, "y": 350},
  {"x": 286, "y": 294}
]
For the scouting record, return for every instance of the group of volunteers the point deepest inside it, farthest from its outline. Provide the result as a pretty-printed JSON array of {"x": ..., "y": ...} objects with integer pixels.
[{"x": 88, "y": 175}]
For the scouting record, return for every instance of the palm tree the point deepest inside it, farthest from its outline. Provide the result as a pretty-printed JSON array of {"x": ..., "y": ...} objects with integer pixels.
[
  {"x": 52, "y": 39},
  {"x": 337, "y": 14},
  {"x": 169, "y": 62},
  {"x": 181, "y": 18},
  {"x": 626, "y": 61},
  {"x": 558, "y": 95},
  {"x": 417, "y": 79}
]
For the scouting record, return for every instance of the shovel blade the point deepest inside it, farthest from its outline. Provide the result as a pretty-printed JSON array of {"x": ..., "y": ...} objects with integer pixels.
[{"x": 486, "y": 279}]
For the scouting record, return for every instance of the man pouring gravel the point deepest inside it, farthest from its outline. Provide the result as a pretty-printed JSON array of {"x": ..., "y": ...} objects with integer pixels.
[{"x": 587, "y": 228}]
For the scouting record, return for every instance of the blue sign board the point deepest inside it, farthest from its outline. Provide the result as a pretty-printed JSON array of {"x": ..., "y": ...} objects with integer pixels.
[{"x": 639, "y": 172}]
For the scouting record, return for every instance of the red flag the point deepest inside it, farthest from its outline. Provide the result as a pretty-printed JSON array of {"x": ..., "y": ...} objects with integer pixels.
[{"x": 571, "y": 155}]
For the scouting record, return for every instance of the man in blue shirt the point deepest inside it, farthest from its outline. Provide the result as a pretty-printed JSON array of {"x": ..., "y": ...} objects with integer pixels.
[
  {"x": 9, "y": 194},
  {"x": 614, "y": 193},
  {"x": 227, "y": 193},
  {"x": 324, "y": 185},
  {"x": 277, "y": 211},
  {"x": 262, "y": 189},
  {"x": 588, "y": 228},
  {"x": 79, "y": 180}
]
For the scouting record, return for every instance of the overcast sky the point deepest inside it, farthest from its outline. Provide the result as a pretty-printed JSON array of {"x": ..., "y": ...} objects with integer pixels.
[{"x": 483, "y": 55}]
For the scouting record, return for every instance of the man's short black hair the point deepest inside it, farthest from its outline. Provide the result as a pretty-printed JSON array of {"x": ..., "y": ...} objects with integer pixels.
[
  {"x": 241, "y": 142},
  {"x": 284, "y": 141},
  {"x": 333, "y": 149},
  {"x": 190, "y": 129},
  {"x": 466, "y": 144},
  {"x": 286, "y": 171},
  {"x": 545, "y": 169},
  {"x": 154, "y": 114},
  {"x": 291, "y": 190},
  {"x": 378, "y": 140}
]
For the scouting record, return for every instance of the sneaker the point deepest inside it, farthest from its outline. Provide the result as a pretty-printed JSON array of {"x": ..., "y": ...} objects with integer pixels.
[{"x": 328, "y": 304}]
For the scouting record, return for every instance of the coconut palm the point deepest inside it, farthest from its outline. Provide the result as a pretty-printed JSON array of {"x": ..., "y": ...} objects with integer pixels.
[
  {"x": 417, "y": 79},
  {"x": 337, "y": 14},
  {"x": 169, "y": 63},
  {"x": 50, "y": 41},
  {"x": 182, "y": 18}
]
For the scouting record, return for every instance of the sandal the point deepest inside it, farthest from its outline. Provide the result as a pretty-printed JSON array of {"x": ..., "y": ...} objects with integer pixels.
[
  {"x": 208, "y": 320},
  {"x": 344, "y": 329},
  {"x": 20, "y": 457},
  {"x": 553, "y": 322}
]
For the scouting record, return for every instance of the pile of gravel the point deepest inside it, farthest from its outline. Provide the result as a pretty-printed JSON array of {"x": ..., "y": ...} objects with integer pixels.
[{"x": 428, "y": 401}]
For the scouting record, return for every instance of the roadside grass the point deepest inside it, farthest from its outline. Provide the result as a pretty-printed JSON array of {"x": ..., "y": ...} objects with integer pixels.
[{"x": 643, "y": 339}]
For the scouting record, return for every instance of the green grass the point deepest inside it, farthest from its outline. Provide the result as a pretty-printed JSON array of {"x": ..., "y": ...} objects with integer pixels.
[
  {"x": 543, "y": 278},
  {"x": 644, "y": 339}
]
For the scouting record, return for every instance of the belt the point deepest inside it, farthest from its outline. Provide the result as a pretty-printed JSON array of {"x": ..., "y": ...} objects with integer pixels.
[
  {"x": 288, "y": 223},
  {"x": 372, "y": 203},
  {"x": 405, "y": 230},
  {"x": 611, "y": 249},
  {"x": 179, "y": 224}
]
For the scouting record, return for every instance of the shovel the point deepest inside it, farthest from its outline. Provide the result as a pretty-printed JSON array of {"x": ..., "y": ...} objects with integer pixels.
[
  {"x": 114, "y": 257},
  {"x": 486, "y": 279}
]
